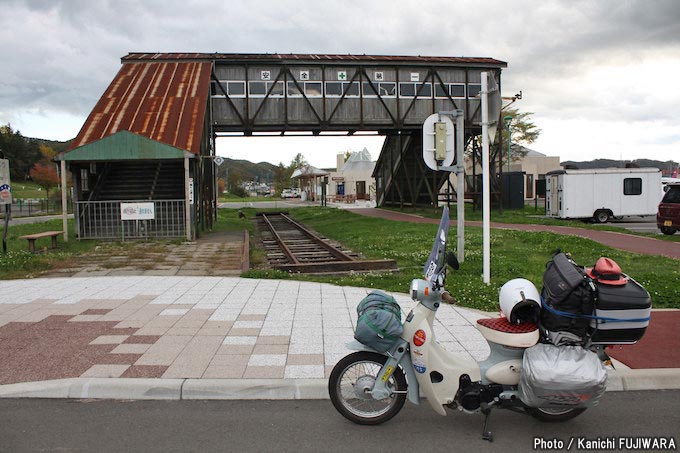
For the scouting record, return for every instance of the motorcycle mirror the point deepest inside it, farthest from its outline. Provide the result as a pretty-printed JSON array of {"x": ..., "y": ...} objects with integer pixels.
[{"x": 452, "y": 261}]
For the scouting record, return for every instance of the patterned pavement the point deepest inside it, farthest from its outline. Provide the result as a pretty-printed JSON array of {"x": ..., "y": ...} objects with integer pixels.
[{"x": 189, "y": 327}]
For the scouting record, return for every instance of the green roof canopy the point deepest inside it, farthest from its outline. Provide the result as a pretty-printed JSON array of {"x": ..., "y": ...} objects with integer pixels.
[{"x": 124, "y": 145}]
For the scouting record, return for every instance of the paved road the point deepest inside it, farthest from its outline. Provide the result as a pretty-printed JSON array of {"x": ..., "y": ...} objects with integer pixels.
[
  {"x": 61, "y": 425},
  {"x": 637, "y": 224}
]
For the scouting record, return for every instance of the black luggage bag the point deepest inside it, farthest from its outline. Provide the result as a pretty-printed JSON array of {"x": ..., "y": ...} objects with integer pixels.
[
  {"x": 622, "y": 313},
  {"x": 568, "y": 302}
]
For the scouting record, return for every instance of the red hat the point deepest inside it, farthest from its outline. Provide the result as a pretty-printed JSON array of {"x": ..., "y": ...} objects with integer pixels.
[{"x": 608, "y": 272}]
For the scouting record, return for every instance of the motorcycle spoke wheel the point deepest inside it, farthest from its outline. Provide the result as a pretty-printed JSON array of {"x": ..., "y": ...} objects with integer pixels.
[
  {"x": 349, "y": 388},
  {"x": 554, "y": 415}
]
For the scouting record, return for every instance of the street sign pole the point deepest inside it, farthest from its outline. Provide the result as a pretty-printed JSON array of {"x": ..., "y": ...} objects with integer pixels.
[
  {"x": 5, "y": 197},
  {"x": 486, "y": 225},
  {"x": 460, "y": 185},
  {"x": 439, "y": 149}
]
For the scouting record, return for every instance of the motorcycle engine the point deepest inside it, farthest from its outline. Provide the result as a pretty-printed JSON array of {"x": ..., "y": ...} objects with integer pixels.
[{"x": 471, "y": 395}]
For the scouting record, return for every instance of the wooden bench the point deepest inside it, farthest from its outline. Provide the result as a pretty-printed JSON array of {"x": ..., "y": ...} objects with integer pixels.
[{"x": 32, "y": 238}]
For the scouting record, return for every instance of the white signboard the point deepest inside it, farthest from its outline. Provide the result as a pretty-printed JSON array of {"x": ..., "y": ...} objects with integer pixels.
[
  {"x": 379, "y": 76},
  {"x": 266, "y": 75},
  {"x": 191, "y": 190},
  {"x": 137, "y": 211},
  {"x": 415, "y": 77},
  {"x": 304, "y": 75},
  {"x": 342, "y": 75},
  {"x": 5, "y": 184},
  {"x": 429, "y": 140}
]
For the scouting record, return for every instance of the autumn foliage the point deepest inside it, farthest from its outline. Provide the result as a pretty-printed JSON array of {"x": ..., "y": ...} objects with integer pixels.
[{"x": 45, "y": 175}]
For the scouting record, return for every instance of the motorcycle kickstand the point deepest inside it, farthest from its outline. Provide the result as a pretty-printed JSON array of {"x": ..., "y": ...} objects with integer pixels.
[{"x": 486, "y": 434}]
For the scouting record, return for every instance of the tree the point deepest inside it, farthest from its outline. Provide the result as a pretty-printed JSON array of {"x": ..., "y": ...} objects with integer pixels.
[
  {"x": 523, "y": 132},
  {"x": 522, "y": 127},
  {"x": 23, "y": 153},
  {"x": 298, "y": 162},
  {"x": 282, "y": 176},
  {"x": 45, "y": 175},
  {"x": 234, "y": 180}
]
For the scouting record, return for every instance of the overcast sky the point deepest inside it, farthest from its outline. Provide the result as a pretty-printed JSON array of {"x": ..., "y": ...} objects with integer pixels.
[{"x": 602, "y": 77}]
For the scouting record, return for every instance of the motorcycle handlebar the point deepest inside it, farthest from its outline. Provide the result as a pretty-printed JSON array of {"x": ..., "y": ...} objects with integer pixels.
[{"x": 448, "y": 298}]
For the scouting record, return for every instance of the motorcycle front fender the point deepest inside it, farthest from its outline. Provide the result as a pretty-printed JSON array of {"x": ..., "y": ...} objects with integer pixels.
[{"x": 413, "y": 388}]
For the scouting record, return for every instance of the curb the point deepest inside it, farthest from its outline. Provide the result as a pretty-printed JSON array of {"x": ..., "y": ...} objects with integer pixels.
[
  {"x": 169, "y": 389},
  {"x": 260, "y": 389}
]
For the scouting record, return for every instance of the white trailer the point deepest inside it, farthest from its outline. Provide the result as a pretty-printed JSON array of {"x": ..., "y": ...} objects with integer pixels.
[{"x": 603, "y": 193}]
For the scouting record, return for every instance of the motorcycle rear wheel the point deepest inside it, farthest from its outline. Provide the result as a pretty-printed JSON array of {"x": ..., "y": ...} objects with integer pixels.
[
  {"x": 352, "y": 378},
  {"x": 554, "y": 415}
]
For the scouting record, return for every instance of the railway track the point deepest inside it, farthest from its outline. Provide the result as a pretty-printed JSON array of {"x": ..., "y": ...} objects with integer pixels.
[{"x": 292, "y": 247}]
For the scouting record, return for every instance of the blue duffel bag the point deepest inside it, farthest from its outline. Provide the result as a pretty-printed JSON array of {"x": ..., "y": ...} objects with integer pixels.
[{"x": 379, "y": 323}]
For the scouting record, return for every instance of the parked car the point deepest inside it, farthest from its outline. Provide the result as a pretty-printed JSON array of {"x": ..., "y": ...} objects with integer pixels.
[
  {"x": 287, "y": 193},
  {"x": 668, "y": 216}
]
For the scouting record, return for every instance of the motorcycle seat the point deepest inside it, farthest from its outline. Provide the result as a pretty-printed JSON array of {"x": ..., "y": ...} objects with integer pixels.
[{"x": 501, "y": 331}]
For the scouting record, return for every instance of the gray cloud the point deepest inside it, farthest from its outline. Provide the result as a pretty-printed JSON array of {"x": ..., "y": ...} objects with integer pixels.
[{"x": 60, "y": 55}]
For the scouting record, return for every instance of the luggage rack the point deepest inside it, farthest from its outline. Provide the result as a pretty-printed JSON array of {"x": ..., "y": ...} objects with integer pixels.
[{"x": 292, "y": 247}]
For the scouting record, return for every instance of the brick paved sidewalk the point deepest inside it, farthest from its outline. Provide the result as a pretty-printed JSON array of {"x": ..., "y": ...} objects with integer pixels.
[{"x": 188, "y": 327}]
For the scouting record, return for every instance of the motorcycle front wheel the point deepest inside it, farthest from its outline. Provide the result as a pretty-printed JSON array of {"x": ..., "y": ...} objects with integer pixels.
[
  {"x": 554, "y": 415},
  {"x": 350, "y": 384}
]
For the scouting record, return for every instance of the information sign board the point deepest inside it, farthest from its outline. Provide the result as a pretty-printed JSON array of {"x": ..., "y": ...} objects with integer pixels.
[
  {"x": 137, "y": 211},
  {"x": 5, "y": 184}
]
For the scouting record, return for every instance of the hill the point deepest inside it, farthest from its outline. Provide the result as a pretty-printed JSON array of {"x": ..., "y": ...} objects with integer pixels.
[
  {"x": 243, "y": 170},
  {"x": 54, "y": 144}
]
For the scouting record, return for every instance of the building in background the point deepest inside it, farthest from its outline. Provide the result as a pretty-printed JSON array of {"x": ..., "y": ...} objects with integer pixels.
[
  {"x": 535, "y": 166},
  {"x": 532, "y": 167},
  {"x": 353, "y": 178}
]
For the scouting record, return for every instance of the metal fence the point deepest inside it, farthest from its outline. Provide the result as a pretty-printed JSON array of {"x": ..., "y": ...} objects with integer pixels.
[
  {"x": 33, "y": 207},
  {"x": 102, "y": 220}
]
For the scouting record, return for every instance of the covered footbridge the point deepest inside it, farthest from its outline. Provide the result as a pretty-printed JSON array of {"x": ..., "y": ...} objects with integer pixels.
[{"x": 151, "y": 137}]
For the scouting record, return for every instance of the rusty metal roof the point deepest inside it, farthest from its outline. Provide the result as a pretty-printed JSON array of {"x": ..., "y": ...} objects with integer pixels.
[
  {"x": 320, "y": 58},
  {"x": 163, "y": 101}
]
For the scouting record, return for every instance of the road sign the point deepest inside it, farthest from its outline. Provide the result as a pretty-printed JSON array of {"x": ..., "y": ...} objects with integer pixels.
[
  {"x": 219, "y": 160},
  {"x": 438, "y": 133},
  {"x": 495, "y": 103}
]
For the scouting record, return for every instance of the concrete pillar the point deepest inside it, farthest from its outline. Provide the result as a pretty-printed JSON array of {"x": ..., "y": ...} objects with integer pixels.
[
  {"x": 64, "y": 201},
  {"x": 187, "y": 205}
]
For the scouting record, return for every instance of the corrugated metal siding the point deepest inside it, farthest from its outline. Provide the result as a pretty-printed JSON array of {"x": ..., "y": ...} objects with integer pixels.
[
  {"x": 163, "y": 101},
  {"x": 322, "y": 58}
]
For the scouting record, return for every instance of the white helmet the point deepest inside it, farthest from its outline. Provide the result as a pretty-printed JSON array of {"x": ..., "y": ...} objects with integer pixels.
[{"x": 520, "y": 301}]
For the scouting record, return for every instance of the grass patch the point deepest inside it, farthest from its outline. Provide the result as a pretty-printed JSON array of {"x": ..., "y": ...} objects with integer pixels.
[
  {"x": 529, "y": 215},
  {"x": 20, "y": 263},
  {"x": 513, "y": 254},
  {"x": 23, "y": 190}
]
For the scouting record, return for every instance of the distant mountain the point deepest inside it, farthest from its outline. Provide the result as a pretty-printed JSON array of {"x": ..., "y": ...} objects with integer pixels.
[
  {"x": 54, "y": 144},
  {"x": 667, "y": 166},
  {"x": 246, "y": 170}
]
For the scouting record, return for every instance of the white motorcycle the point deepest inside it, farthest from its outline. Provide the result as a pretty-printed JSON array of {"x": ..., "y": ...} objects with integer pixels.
[{"x": 369, "y": 387}]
